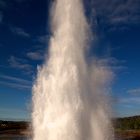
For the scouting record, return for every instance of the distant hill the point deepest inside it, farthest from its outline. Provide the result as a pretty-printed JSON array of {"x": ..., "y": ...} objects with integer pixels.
[{"x": 128, "y": 123}]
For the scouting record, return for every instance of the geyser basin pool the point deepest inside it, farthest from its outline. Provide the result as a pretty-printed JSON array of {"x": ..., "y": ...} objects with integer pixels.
[{"x": 69, "y": 101}]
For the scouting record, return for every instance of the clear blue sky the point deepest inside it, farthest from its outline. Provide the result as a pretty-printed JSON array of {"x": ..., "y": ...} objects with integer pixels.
[{"x": 24, "y": 35}]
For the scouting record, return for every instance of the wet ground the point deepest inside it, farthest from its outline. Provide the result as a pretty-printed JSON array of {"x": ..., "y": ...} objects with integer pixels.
[
  {"x": 13, "y": 138},
  {"x": 26, "y": 138}
]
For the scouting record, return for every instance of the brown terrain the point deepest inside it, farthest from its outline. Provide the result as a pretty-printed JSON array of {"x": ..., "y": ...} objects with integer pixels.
[
  {"x": 125, "y": 128},
  {"x": 14, "y": 128},
  {"x": 128, "y": 135}
]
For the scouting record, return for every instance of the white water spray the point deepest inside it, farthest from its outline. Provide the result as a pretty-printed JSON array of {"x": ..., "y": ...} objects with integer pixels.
[{"x": 69, "y": 101}]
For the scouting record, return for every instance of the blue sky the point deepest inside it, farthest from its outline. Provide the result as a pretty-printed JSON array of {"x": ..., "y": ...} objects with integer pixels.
[{"x": 24, "y": 36}]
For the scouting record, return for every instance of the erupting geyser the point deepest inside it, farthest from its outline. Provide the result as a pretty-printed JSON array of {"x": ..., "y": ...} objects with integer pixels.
[{"x": 69, "y": 95}]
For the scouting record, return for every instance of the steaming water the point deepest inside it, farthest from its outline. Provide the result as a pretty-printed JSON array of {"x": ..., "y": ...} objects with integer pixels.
[{"x": 69, "y": 101}]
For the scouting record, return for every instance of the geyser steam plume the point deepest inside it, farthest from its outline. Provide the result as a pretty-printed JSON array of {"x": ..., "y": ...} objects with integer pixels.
[{"x": 69, "y": 96}]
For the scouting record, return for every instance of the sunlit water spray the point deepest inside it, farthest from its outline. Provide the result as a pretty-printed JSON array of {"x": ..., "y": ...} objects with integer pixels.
[{"x": 69, "y": 95}]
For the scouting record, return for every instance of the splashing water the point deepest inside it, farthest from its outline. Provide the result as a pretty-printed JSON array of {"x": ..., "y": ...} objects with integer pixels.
[{"x": 68, "y": 97}]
